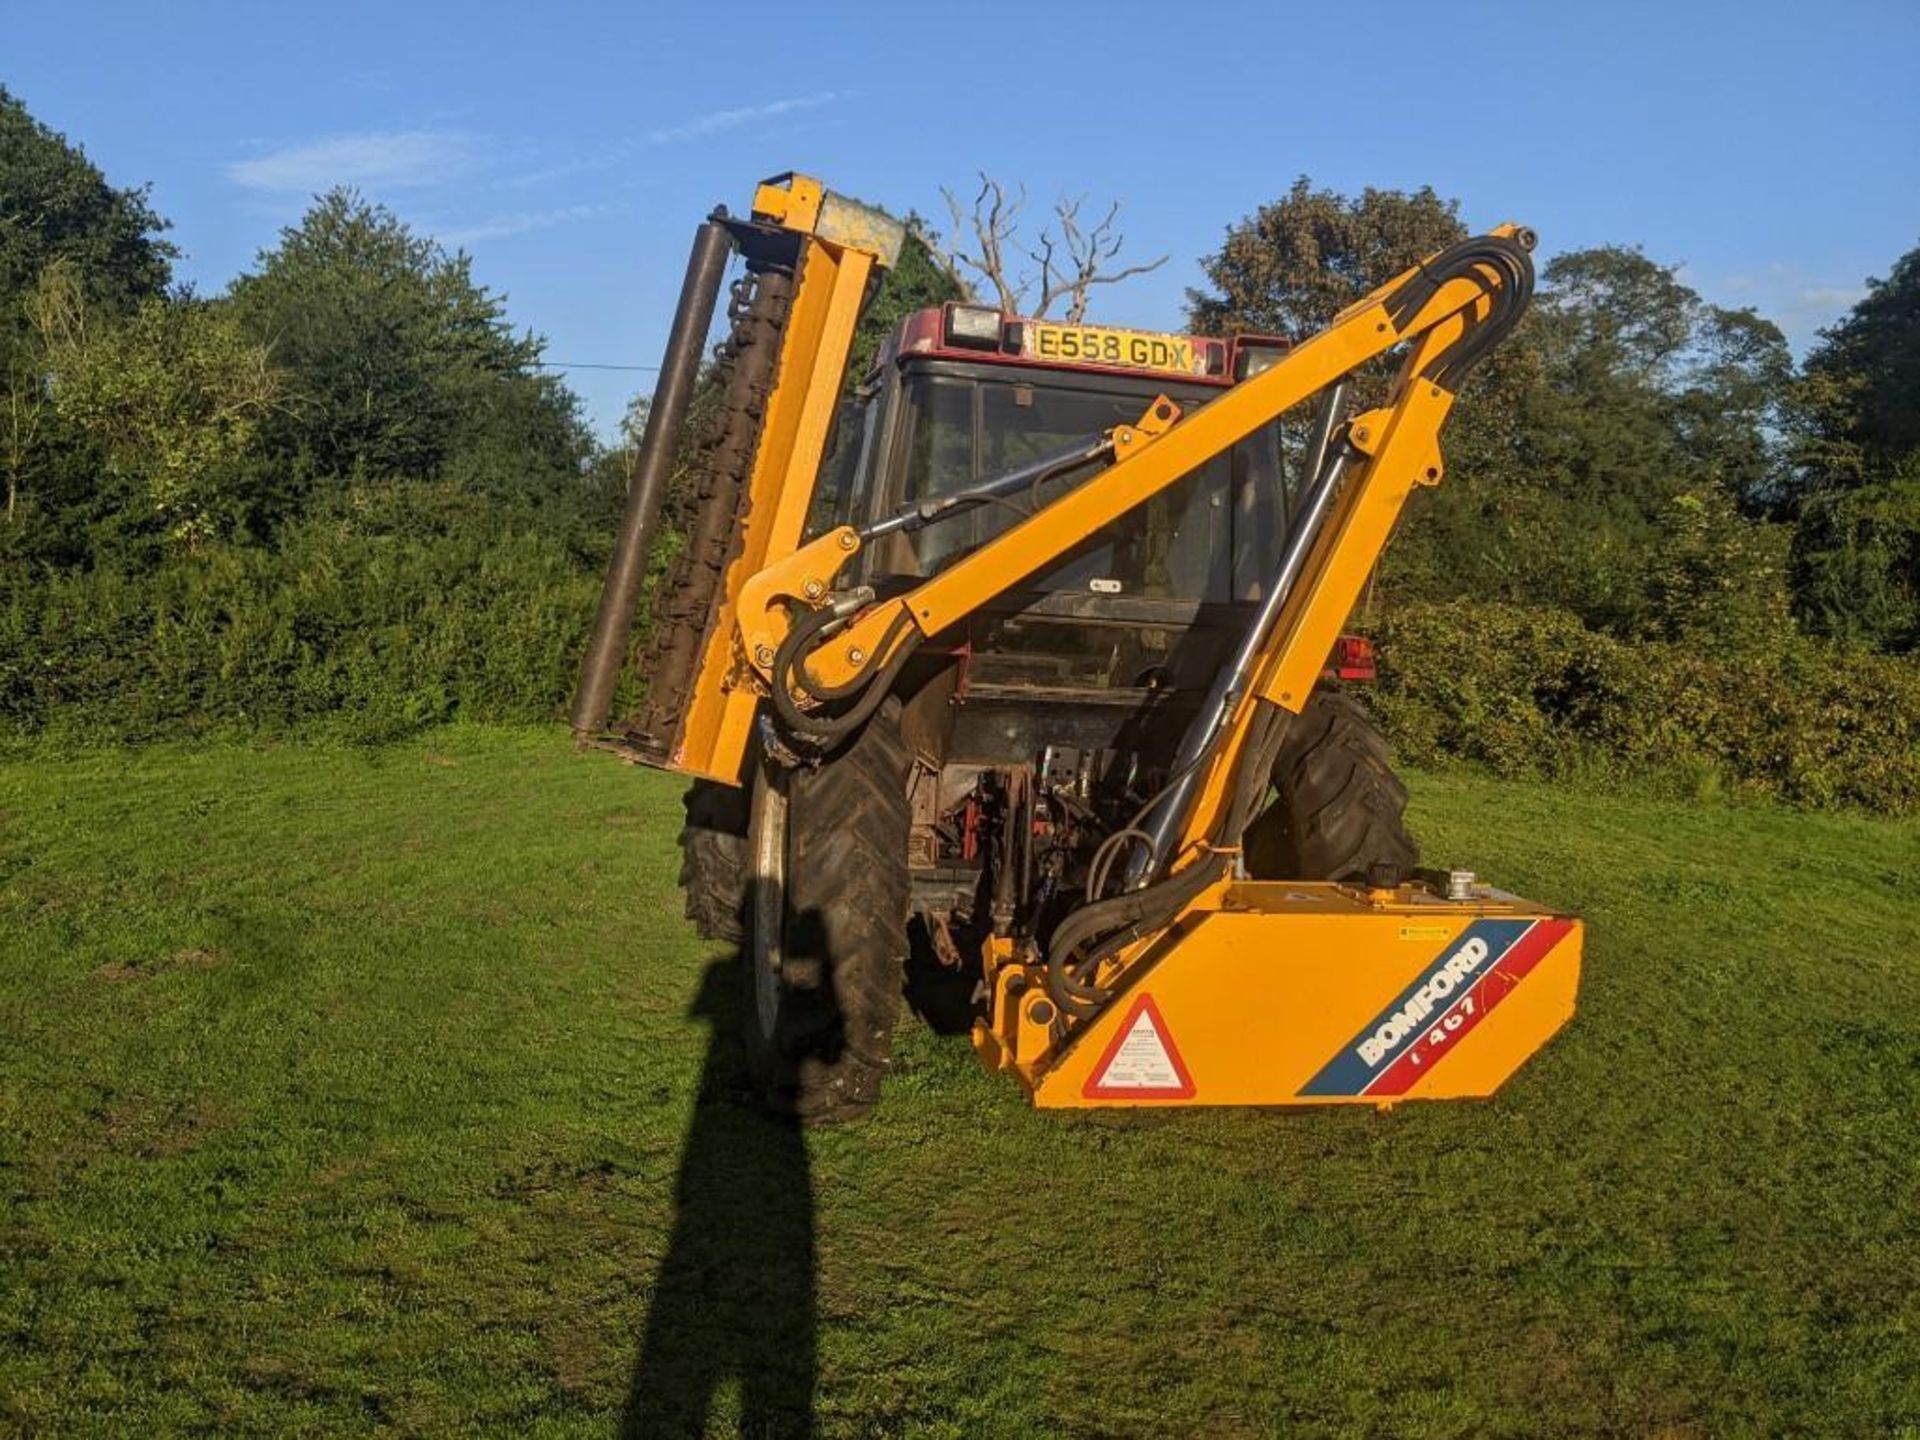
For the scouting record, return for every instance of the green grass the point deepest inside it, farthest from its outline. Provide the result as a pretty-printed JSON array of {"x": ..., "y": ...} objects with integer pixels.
[{"x": 345, "y": 1091}]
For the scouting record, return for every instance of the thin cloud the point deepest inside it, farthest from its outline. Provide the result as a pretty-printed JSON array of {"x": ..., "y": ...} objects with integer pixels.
[
  {"x": 1830, "y": 297},
  {"x": 1803, "y": 313},
  {"x": 1799, "y": 303},
  {"x": 584, "y": 166},
  {"x": 715, "y": 121},
  {"x": 1789, "y": 286},
  {"x": 519, "y": 222},
  {"x": 392, "y": 160}
]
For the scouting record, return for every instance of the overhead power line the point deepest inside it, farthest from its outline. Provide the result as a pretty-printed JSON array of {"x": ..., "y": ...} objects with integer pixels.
[{"x": 589, "y": 365}]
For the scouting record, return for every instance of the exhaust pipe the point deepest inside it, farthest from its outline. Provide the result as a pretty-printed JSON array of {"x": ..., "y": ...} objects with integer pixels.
[{"x": 666, "y": 417}]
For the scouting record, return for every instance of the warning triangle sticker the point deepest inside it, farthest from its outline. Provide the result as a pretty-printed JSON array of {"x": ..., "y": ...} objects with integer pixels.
[{"x": 1142, "y": 1062}]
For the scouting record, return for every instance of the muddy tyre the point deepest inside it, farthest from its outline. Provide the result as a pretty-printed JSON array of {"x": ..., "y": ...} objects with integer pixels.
[
  {"x": 713, "y": 859},
  {"x": 824, "y": 956},
  {"x": 1340, "y": 810}
]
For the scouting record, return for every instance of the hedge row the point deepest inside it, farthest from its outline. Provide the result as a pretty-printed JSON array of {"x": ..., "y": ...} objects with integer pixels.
[
  {"x": 362, "y": 632},
  {"x": 1533, "y": 692},
  {"x": 372, "y": 625}
]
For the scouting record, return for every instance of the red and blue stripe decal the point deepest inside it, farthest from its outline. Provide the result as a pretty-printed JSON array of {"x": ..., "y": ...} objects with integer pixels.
[{"x": 1426, "y": 1021}]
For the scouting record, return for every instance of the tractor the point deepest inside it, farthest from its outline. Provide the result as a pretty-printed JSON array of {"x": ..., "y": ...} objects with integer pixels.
[{"x": 1010, "y": 675}]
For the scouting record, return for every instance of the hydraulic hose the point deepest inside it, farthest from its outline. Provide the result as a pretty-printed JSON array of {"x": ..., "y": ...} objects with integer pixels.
[
  {"x": 1508, "y": 258},
  {"x": 859, "y": 680},
  {"x": 1105, "y": 927},
  {"x": 872, "y": 684}
]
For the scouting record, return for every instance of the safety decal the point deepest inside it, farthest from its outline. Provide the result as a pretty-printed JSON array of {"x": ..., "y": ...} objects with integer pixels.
[
  {"x": 1467, "y": 980},
  {"x": 1142, "y": 1063}
]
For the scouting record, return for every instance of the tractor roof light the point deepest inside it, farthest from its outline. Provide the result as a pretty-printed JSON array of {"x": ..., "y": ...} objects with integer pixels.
[
  {"x": 1253, "y": 354},
  {"x": 973, "y": 326}
]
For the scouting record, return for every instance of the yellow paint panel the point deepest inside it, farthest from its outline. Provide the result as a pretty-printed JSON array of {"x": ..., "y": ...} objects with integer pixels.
[
  {"x": 828, "y": 292},
  {"x": 1259, "y": 1002},
  {"x": 1539, "y": 1005}
]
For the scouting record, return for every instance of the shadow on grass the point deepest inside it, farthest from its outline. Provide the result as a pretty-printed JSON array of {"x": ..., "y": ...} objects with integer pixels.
[{"x": 734, "y": 1298}]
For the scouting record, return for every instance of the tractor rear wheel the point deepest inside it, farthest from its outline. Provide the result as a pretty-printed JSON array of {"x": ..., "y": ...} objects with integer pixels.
[
  {"x": 1340, "y": 809},
  {"x": 825, "y": 950}
]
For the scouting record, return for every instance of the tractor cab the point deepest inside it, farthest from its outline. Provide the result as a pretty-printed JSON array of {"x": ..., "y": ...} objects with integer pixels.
[
  {"x": 961, "y": 393},
  {"x": 1130, "y": 625},
  {"x": 1094, "y": 666}
]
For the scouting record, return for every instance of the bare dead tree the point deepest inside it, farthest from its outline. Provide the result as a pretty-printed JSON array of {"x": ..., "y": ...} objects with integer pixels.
[
  {"x": 991, "y": 221},
  {"x": 1086, "y": 252},
  {"x": 1070, "y": 264}
]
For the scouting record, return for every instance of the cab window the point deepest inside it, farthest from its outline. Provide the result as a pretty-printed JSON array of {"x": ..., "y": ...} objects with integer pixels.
[{"x": 1176, "y": 546}]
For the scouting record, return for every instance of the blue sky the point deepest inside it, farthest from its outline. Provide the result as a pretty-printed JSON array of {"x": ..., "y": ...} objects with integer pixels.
[{"x": 1772, "y": 149}]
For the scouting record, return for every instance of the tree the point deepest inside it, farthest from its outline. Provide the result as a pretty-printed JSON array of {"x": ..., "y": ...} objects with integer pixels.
[
  {"x": 1702, "y": 382},
  {"x": 60, "y": 222},
  {"x": 1070, "y": 263},
  {"x": 1716, "y": 576},
  {"x": 56, "y": 205},
  {"x": 172, "y": 394},
  {"x": 1597, "y": 456},
  {"x": 1610, "y": 323},
  {"x": 1656, "y": 389},
  {"x": 917, "y": 280},
  {"x": 1856, "y": 561},
  {"x": 1856, "y": 480},
  {"x": 1652, "y": 413},
  {"x": 1293, "y": 265},
  {"x": 29, "y": 402},
  {"x": 1862, "y": 405},
  {"x": 21, "y": 424},
  {"x": 393, "y": 349}
]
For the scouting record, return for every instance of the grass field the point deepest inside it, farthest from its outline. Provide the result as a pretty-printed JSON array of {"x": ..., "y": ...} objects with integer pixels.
[{"x": 345, "y": 1091}]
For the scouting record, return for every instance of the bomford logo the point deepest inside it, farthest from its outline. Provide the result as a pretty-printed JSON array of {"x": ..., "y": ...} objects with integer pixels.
[{"x": 1442, "y": 983}]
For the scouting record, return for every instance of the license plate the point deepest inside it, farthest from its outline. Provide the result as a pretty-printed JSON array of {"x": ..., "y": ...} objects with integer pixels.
[{"x": 1098, "y": 345}]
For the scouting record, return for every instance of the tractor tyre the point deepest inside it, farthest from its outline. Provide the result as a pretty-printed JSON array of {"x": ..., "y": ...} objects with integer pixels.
[
  {"x": 713, "y": 859},
  {"x": 824, "y": 958},
  {"x": 1340, "y": 810}
]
